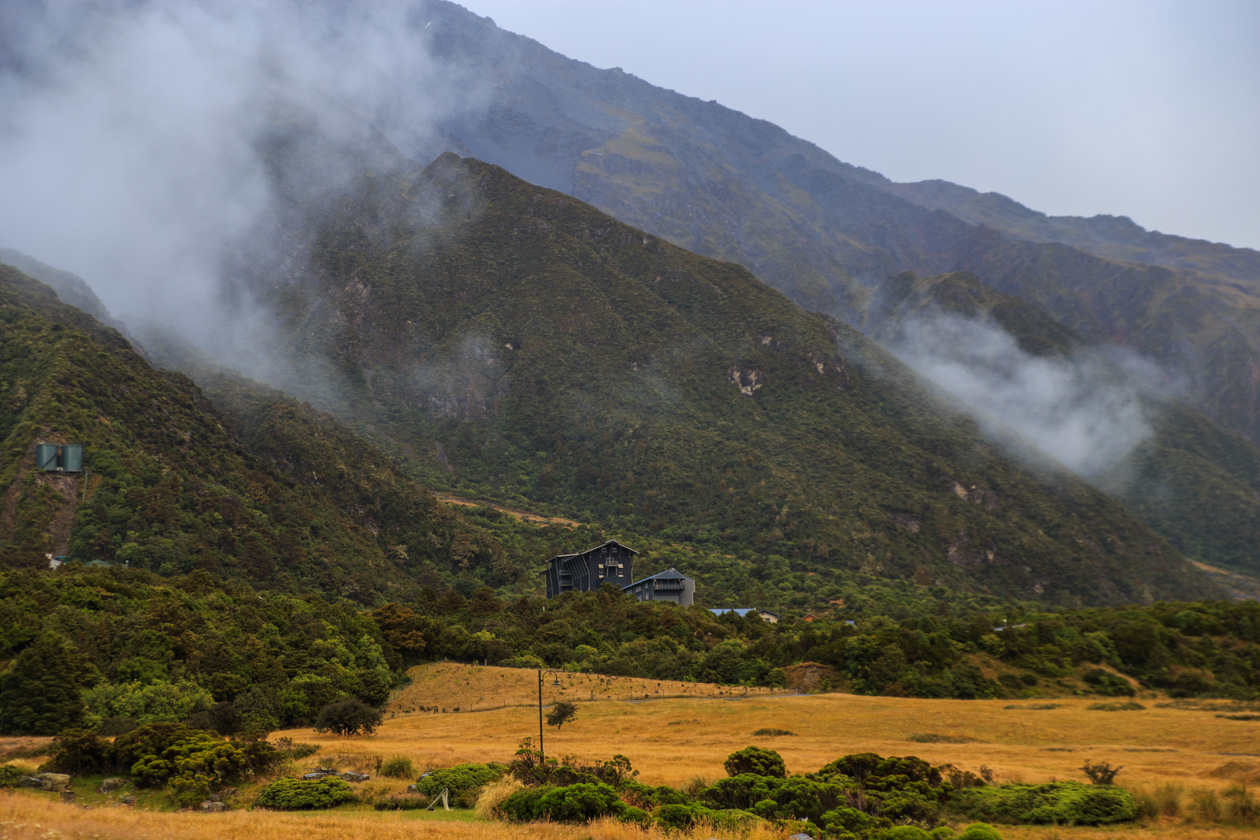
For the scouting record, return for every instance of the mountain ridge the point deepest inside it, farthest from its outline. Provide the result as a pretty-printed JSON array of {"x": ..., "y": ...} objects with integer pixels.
[{"x": 565, "y": 356}]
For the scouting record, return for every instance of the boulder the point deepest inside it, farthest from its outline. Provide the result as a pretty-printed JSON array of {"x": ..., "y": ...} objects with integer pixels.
[
  {"x": 351, "y": 776},
  {"x": 127, "y": 800},
  {"x": 56, "y": 782},
  {"x": 111, "y": 784},
  {"x": 211, "y": 807}
]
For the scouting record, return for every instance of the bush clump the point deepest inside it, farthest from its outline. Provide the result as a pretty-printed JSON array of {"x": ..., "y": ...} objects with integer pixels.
[
  {"x": 465, "y": 781},
  {"x": 10, "y": 775},
  {"x": 756, "y": 761},
  {"x": 578, "y": 803},
  {"x": 305, "y": 794},
  {"x": 1061, "y": 803},
  {"x": 522, "y": 805},
  {"x": 348, "y": 717},
  {"x": 1107, "y": 684},
  {"x": 582, "y": 802}
]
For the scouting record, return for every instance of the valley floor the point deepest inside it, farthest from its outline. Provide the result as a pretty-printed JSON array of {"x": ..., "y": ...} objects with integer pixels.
[{"x": 1188, "y": 746}]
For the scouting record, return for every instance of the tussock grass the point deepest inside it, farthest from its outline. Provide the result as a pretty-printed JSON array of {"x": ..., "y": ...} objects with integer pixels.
[
  {"x": 398, "y": 767},
  {"x": 1162, "y": 801},
  {"x": 1033, "y": 748},
  {"x": 492, "y": 795},
  {"x": 451, "y": 688}
]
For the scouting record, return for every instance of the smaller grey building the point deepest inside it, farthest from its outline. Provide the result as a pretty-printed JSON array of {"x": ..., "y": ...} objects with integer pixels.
[{"x": 669, "y": 585}]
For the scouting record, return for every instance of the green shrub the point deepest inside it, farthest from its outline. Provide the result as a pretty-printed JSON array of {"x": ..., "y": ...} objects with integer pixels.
[
  {"x": 666, "y": 795},
  {"x": 465, "y": 781},
  {"x": 741, "y": 791},
  {"x": 845, "y": 819},
  {"x": 10, "y": 775},
  {"x": 1062, "y": 803},
  {"x": 199, "y": 754},
  {"x": 756, "y": 761},
  {"x": 579, "y": 803},
  {"x": 637, "y": 816},
  {"x": 683, "y": 817},
  {"x": 305, "y": 794},
  {"x": 79, "y": 752},
  {"x": 979, "y": 831},
  {"x": 900, "y": 832},
  {"x": 1107, "y": 684},
  {"x": 875, "y": 772},
  {"x": 150, "y": 739},
  {"x": 678, "y": 816},
  {"x": 523, "y": 804}
]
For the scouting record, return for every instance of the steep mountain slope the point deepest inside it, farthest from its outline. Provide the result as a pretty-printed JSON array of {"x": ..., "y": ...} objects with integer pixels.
[
  {"x": 514, "y": 340},
  {"x": 1110, "y": 237},
  {"x": 1189, "y": 479},
  {"x": 171, "y": 487},
  {"x": 726, "y": 185}
]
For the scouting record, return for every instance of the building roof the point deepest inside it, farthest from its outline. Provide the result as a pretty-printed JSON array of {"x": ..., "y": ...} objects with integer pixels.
[
  {"x": 668, "y": 574},
  {"x": 743, "y": 611},
  {"x": 589, "y": 550}
]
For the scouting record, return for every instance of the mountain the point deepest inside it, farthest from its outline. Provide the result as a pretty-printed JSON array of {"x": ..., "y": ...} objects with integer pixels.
[
  {"x": 360, "y": 289},
  {"x": 506, "y": 339},
  {"x": 824, "y": 232},
  {"x": 1183, "y": 475},
  {"x": 291, "y": 502}
]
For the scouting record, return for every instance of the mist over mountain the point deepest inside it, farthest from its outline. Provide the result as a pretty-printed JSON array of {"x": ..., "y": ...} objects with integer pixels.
[{"x": 252, "y": 179}]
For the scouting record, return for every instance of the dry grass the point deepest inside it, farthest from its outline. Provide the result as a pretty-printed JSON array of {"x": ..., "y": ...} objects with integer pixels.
[
  {"x": 672, "y": 741},
  {"x": 25, "y": 817},
  {"x": 1169, "y": 753},
  {"x": 447, "y": 687}
]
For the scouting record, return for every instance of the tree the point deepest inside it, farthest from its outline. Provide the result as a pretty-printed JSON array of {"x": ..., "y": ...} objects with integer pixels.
[
  {"x": 348, "y": 717},
  {"x": 561, "y": 713},
  {"x": 1102, "y": 773},
  {"x": 755, "y": 761},
  {"x": 39, "y": 693}
]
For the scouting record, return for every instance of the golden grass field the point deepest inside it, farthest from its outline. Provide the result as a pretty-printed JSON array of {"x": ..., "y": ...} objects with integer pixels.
[{"x": 675, "y": 740}]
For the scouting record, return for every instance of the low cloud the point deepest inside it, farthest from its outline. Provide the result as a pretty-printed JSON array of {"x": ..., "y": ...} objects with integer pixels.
[
  {"x": 1083, "y": 410},
  {"x": 133, "y": 140}
]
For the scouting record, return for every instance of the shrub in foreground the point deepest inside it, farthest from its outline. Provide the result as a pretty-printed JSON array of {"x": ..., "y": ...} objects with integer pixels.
[
  {"x": 1061, "y": 803},
  {"x": 755, "y": 761},
  {"x": 305, "y": 794},
  {"x": 465, "y": 781}
]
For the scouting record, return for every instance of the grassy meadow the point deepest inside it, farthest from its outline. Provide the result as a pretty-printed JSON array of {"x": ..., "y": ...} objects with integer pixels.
[{"x": 1178, "y": 754}]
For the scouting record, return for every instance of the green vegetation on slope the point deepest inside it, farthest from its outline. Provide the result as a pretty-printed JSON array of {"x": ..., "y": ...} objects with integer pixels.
[
  {"x": 1191, "y": 481},
  {"x": 513, "y": 343},
  {"x": 170, "y": 486}
]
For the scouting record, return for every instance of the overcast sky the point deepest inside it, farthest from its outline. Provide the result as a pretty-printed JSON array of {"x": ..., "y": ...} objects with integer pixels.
[{"x": 1143, "y": 108}]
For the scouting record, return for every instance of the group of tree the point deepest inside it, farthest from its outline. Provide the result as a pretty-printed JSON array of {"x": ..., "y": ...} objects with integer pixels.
[
  {"x": 110, "y": 649},
  {"x": 113, "y": 648}
]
